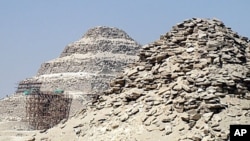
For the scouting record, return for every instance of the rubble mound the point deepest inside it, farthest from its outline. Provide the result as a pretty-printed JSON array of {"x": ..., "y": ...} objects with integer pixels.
[
  {"x": 189, "y": 85},
  {"x": 87, "y": 65}
]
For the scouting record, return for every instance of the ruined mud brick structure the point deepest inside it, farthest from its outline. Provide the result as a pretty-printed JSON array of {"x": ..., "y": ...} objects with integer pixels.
[{"x": 46, "y": 109}]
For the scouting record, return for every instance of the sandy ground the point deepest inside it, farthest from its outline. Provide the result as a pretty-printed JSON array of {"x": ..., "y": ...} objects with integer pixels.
[{"x": 15, "y": 131}]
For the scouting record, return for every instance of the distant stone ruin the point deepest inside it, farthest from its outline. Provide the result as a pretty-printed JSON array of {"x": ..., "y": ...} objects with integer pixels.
[
  {"x": 87, "y": 65},
  {"x": 83, "y": 69}
]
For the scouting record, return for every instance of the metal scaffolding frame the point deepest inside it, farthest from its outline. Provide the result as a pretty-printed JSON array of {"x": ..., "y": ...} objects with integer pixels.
[
  {"x": 27, "y": 85},
  {"x": 46, "y": 109}
]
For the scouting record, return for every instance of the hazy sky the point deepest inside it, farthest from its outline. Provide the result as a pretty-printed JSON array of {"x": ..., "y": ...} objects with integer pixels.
[{"x": 32, "y": 32}]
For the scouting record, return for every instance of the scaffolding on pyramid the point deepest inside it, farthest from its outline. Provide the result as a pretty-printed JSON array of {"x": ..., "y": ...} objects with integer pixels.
[{"x": 46, "y": 109}]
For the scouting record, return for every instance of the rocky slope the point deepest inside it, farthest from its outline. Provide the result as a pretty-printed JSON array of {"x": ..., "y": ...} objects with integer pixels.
[
  {"x": 87, "y": 65},
  {"x": 189, "y": 85}
]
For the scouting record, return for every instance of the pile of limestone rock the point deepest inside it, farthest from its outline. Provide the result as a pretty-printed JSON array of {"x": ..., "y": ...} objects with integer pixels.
[{"x": 191, "y": 84}]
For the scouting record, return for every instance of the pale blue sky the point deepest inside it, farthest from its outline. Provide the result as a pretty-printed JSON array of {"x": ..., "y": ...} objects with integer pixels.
[{"x": 32, "y": 32}]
